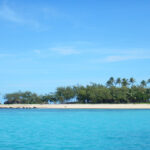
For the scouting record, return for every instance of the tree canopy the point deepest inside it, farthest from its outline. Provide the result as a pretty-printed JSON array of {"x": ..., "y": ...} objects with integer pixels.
[{"x": 115, "y": 91}]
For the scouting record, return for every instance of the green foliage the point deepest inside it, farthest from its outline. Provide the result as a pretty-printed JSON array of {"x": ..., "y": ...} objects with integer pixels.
[
  {"x": 132, "y": 81},
  {"x": 63, "y": 94},
  {"x": 110, "y": 82},
  {"x": 115, "y": 91},
  {"x": 143, "y": 83},
  {"x": 118, "y": 81},
  {"x": 125, "y": 82},
  {"x": 49, "y": 98},
  {"x": 22, "y": 98}
]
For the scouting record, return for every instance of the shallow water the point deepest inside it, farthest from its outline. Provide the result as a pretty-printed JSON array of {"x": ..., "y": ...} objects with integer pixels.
[{"x": 58, "y": 129}]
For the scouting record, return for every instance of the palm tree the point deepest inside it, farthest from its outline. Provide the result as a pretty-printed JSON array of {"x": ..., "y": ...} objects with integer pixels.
[
  {"x": 143, "y": 83},
  {"x": 112, "y": 79},
  {"x": 110, "y": 82},
  {"x": 132, "y": 81},
  {"x": 124, "y": 82},
  {"x": 148, "y": 81},
  {"x": 118, "y": 81}
]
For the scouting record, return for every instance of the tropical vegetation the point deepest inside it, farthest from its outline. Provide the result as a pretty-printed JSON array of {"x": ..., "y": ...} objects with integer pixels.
[{"x": 114, "y": 91}]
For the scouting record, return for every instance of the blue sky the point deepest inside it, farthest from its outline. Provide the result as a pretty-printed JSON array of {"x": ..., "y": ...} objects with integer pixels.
[{"x": 49, "y": 43}]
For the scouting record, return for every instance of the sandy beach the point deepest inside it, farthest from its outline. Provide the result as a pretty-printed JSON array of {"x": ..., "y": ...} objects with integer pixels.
[{"x": 78, "y": 106}]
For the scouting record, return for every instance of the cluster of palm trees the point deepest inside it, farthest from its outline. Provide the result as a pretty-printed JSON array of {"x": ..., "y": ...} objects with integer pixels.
[{"x": 125, "y": 82}]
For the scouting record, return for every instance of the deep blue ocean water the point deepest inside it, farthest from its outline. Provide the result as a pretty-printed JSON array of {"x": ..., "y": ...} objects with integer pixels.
[{"x": 69, "y": 129}]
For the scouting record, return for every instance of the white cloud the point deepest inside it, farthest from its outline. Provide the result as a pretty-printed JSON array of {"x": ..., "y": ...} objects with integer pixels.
[
  {"x": 122, "y": 55},
  {"x": 65, "y": 51},
  {"x": 3, "y": 55},
  {"x": 120, "y": 58},
  {"x": 37, "y": 51},
  {"x": 9, "y": 14},
  {"x": 40, "y": 17},
  {"x": 52, "y": 12}
]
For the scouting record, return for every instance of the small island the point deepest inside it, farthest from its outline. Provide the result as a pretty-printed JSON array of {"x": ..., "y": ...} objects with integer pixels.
[{"x": 115, "y": 94}]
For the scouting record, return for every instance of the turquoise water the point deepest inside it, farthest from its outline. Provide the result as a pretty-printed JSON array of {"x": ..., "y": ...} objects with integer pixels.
[{"x": 57, "y": 129}]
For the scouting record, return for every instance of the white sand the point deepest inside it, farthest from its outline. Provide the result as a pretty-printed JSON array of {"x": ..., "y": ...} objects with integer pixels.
[{"x": 79, "y": 106}]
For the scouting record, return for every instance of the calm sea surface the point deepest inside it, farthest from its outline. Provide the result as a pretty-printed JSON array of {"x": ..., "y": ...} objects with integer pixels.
[{"x": 57, "y": 129}]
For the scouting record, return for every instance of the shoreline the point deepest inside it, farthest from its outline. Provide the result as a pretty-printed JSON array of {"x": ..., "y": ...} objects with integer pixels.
[{"x": 75, "y": 106}]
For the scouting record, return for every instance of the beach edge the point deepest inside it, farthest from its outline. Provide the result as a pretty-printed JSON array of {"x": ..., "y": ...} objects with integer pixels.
[{"x": 76, "y": 106}]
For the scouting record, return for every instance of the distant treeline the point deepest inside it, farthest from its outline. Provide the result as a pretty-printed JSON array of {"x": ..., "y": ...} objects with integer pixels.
[{"x": 115, "y": 91}]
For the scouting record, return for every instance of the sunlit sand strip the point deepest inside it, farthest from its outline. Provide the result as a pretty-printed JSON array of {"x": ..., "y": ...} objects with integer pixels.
[{"x": 78, "y": 106}]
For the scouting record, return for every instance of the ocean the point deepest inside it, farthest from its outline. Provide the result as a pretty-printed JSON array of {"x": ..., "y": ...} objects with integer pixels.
[{"x": 74, "y": 129}]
